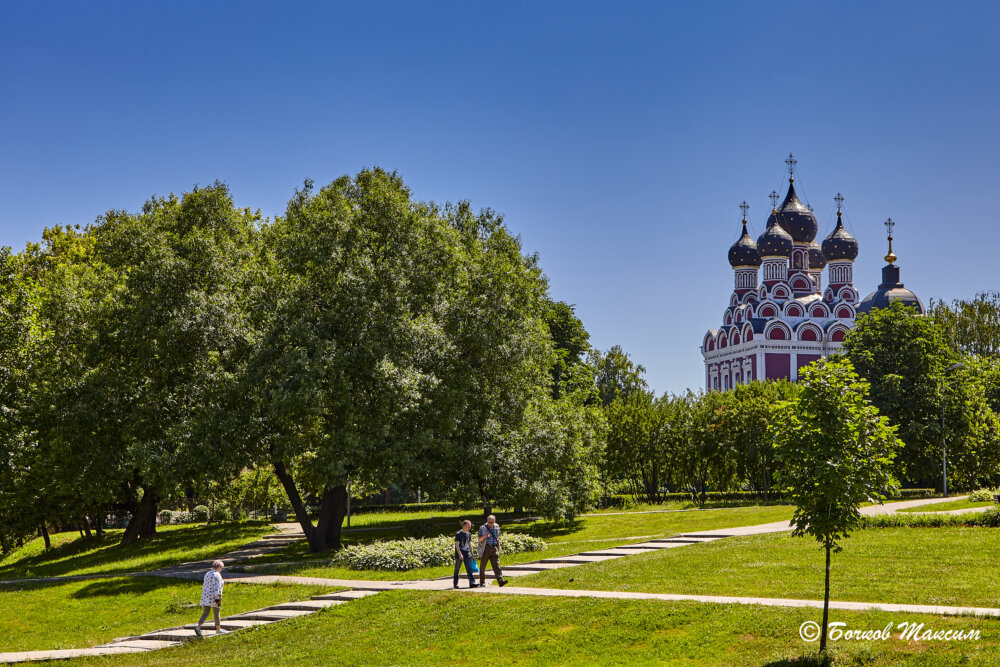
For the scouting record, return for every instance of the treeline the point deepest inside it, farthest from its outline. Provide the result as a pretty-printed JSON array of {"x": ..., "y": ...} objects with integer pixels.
[
  {"x": 361, "y": 336},
  {"x": 936, "y": 378}
]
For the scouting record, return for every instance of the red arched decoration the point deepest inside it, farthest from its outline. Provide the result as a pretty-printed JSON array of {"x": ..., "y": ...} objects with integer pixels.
[
  {"x": 767, "y": 311},
  {"x": 777, "y": 333},
  {"x": 838, "y": 336},
  {"x": 794, "y": 311},
  {"x": 843, "y": 312},
  {"x": 736, "y": 339},
  {"x": 809, "y": 334},
  {"x": 818, "y": 312}
]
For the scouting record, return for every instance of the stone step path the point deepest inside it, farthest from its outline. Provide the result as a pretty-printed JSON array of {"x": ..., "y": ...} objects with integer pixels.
[{"x": 167, "y": 637}]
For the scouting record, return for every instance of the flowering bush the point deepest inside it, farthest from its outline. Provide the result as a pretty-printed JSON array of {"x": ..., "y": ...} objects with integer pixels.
[
  {"x": 409, "y": 554},
  {"x": 983, "y": 495}
]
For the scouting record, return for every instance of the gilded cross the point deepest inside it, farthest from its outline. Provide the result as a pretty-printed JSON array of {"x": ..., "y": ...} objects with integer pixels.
[
  {"x": 840, "y": 200},
  {"x": 744, "y": 207}
]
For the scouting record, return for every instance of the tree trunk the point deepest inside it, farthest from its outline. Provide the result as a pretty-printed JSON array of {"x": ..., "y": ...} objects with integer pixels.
[
  {"x": 826, "y": 601},
  {"x": 143, "y": 521},
  {"x": 301, "y": 515},
  {"x": 98, "y": 515},
  {"x": 487, "y": 509},
  {"x": 86, "y": 526},
  {"x": 45, "y": 535},
  {"x": 333, "y": 510}
]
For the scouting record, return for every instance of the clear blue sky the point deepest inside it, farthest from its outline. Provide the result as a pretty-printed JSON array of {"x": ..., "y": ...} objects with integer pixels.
[{"x": 617, "y": 138}]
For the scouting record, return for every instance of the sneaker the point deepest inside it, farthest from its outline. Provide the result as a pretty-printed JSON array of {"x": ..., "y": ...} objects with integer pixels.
[
  {"x": 454, "y": 585},
  {"x": 503, "y": 582},
  {"x": 472, "y": 586},
  {"x": 197, "y": 631}
]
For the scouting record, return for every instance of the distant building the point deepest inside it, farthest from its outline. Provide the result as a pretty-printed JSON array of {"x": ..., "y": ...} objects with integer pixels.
[{"x": 771, "y": 330}]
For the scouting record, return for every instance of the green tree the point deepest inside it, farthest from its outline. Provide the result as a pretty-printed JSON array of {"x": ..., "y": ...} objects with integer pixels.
[
  {"x": 570, "y": 341},
  {"x": 709, "y": 459},
  {"x": 970, "y": 326},
  {"x": 836, "y": 453},
  {"x": 616, "y": 374},
  {"x": 904, "y": 357},
  {"x": 344, "y": 379}
]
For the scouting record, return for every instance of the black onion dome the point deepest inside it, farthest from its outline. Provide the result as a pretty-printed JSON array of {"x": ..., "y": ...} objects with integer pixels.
[
  {"x": 840, "y": 244},
  {"x": 775, "y": 241},
  {"x": 744, "y": 251},
  {"x": 796, "y": 218},
  {"x": 890, "y": 291},
  {"x": 817, "y": 260}
]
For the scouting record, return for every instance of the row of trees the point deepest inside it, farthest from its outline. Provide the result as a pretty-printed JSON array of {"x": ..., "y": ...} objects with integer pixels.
[{"x": 362, "y": 336}]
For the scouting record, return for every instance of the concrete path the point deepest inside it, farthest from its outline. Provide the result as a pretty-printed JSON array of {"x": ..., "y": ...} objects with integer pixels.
[{"x": 722, "y": 599}]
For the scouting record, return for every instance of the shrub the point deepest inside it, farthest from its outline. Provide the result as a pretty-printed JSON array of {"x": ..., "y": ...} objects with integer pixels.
[
  {"x": 409, "y": 554},
  {"x": 983, "y": 495},
  {"x": 182, "y": 517},
  {"x": 200, "y": 514},
  {"x": 165, "y": 517},
  {"x": 221, "y": 512}
]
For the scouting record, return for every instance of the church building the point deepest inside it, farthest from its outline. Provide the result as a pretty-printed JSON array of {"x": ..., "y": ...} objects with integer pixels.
[{"x": 780, "y": 317}]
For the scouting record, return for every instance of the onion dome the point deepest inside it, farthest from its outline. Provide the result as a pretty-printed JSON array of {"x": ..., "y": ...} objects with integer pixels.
[
  {"x": 890, "y": 291},
  {"x": 840, "y": 244},
  {"x": 775, "y": 241},
  {"x": 744, "y": 251},
  {"x": 817, "y": 260},
  {"x": 795, "y": 217}
]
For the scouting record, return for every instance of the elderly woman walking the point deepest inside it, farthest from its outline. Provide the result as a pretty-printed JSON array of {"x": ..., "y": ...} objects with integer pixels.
[{"x": 211, "y": 596}]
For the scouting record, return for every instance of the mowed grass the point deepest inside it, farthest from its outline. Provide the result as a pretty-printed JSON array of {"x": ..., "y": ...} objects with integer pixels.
[
  {"x": 422, "y": 628},
  {"x": 589, "y": 532},
  {"x": 945, "y": 566},
  {"x": 84, "y": 613},
  {"x": 948, "y": 506},
  {"x": 72, "y": 555}
]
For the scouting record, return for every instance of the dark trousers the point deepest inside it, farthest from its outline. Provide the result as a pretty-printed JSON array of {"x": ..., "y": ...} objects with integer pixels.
[
  {"x": 490, "y": 554},
  {"x": 467, "y": 559}
]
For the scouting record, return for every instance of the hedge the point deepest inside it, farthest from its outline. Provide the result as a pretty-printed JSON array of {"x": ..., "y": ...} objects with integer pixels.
[
  {"x": 410, "y": 554},
  {"x": 989, "y": 518}
]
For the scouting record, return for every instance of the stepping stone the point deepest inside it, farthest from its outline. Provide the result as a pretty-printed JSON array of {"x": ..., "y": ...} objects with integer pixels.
[
  {"x": 353, "y": 594},
  {"x": 706, "y": 537},
  {"x": 677, "y": 540},
  {"x": 174, "y": 635},
  {"x": 307, "y": 605},
  {"x": 140, "y": 644},
  {"x": 271, "y": 615},
  {"x": 65, "y": 654},
  {"x": 611, "y": 553},
  {"x": 523, "y": 568},
  {"x": 230, "y": 624},
  {"x": 579, "y": 560},
  {"x": 641, "y": 547}
]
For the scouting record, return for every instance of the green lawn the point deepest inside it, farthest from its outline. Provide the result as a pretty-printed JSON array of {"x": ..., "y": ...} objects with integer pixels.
[
  {"x": 947, "y": 566},
  {"x": 84, "y": 613},
  {"x": 589, "y": 532},
  {"x": 947, "y": 506},
  {"x": 419, "y": 628},
  {"x": 72, "y": 555}
]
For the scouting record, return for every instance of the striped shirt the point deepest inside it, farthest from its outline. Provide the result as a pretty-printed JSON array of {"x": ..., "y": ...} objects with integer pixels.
[{"x": 491, "y": 538}]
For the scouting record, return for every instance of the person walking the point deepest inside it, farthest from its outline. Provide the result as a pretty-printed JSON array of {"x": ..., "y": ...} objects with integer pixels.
[
  {"x": 463, "y": 554},
  {"x": 211, "y": 596},
  {"x": 489, "y": 550}
]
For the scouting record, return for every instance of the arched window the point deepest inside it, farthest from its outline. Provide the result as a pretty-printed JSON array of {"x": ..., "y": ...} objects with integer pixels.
[{"x": 736, "y": 338}]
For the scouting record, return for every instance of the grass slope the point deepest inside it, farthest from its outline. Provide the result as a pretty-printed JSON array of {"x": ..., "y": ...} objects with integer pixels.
[
  {"x": 418, "y": 628},
  {"x": 84, "y": 613},
  {"x": 947, "y": 506},
  {"x": 589, "y": 532},
  {"x": 72, "y": 555},
  {"x": 947, "y": 566}
]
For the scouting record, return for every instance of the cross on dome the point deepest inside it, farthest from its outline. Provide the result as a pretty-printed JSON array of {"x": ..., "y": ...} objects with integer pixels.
[
  {"x": 890, "y": 256},
  {"x": 791, "y": 162},
  {"x": 839, "y": 199},
  {"x": 744, "y": 207},
  {"x": 774, "y": 196}
]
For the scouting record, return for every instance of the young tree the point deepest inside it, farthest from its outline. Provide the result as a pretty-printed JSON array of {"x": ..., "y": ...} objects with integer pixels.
[
  {"x": 616, "y": 374},
  {"x": 970, "y": 326},
  {"x": 836, "y": 453}
]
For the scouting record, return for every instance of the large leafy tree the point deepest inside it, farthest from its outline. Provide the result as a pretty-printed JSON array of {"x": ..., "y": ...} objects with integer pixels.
[
  {"x": 836, "y": 453},
  {"x": 344, "y": 379},
  {"x": 905, "y": 358},
  {"x": 616, "y": 374},
  {"x": 570, "y": 342},
  {"x": 165, "y": 338}
]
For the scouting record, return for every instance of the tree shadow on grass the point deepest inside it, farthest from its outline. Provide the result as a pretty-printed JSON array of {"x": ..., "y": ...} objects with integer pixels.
[
  {"x": 110, "y": 557},
  {"x": 127, "y": 586}
]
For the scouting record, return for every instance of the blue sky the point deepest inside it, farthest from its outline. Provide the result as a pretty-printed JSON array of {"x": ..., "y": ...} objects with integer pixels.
[{"x": 617, "y": 138}]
